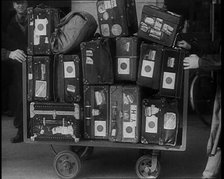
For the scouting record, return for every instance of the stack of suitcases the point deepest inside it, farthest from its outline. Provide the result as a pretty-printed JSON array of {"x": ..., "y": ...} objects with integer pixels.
[{"x": 98, "y": 95}]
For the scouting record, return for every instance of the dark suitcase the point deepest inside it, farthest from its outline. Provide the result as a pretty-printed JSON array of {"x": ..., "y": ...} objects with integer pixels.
[
  {"x": 96, "y": 112},
  {"x": 97, "y": 62},
  {"x": 159, "y": 25},
  {"x": 160, "y": 122},
  {"x": 117, "y": 17},
  {"x": 150, "y": 65},
  {"x": 41, "y": 24},
  {"x": 55, "y": 121},
  {"x": 68, "y": 78},
  {"x": 40, "y": 78},
  {"x": 126, "y": 58},
  {"x": 171, "y": 83},
  {"x": 124, "y": 114}
]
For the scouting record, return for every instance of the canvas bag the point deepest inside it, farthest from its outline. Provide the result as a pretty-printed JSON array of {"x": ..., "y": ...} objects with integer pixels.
[{"x": 73, "y": 29}]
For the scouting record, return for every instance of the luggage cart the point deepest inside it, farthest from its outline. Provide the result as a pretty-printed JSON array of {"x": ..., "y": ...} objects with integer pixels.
[{"x": 67, "y": 164}]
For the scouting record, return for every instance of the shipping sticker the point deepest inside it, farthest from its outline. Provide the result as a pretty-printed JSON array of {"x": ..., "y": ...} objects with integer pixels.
[
  {"x": 151, "y": 124},
  {"x": 113, "y": 3},
  {"x": 105, "y": 15},
  {"x": 41, "y": 89},
  {"x": 89, "y": 61},
  {"x": 36, "y": 39},
  {"x": 46, "y": 40},
  {"x": 113, "y": 132},
  {"x": 69, "y": 70},
  {"x": 155, "y": 33},
  {"x": 125, "y": 99},
  {"x": 158, "y": 24},
  {"x": 149, "y": 20},
  {"x": 124, "y": 66},
  {"x": 107, "y": 4},
  {"x": 100, "y": 128},
  {"x": 147, "y": 68},
  {"x": 167, "y": 29},
  {"x": 169, "y": 121},
  {"x": 144, "y": 28},
  {"x": 95, "y": 112},
  {"x": 101, "y": 7},
  {"x": 89, "y": 53},
  {"x": 170, "y": 62},
  {"x": 71, "y": 88},
  {"x": 65, "y": 130},
  {"x": 30, "y": 76},
  {"x": 41, "y": 26},
  {"x": 43, "y": 71},
  {"x": 152, "y": 110},
  {"x": 130, "y": 98},
  {"x": 100, "y": 97},
  {"x": 152, "y": 55},
  {"x": 105, "y": 30},
  {"x": 169, "y": 80},
  {"x": 133, "y": 112},
  {"x": 116, "y": 29},
  {"x": 129, "y": 130}
]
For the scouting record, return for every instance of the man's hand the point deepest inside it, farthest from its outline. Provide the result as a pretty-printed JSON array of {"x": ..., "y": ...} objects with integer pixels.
[
  {"x": 191, "y": 62},
  {"x": 18, "y": 55},
  {"x": 184, "y": 44}
]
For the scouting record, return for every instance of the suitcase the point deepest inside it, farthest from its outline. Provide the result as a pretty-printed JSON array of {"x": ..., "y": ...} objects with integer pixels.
[
  {"x": 117, "y": 17},
  {"x": 150, "y": 65},
  {"x": 96, "y": 112},
  {"x": 41, "y": 24},
  {"x": 97, "y": 62},
  {"x": 126, "y": 58},
  {"x": 40, "y": 79},
  {"x": 124, "y": 114},
  {"x": 171, "y": 83},
  {"x": 159, "y": 25},
  {"x": 55, "y": 121},
  {"x": 160, "y": 122},
  {"x": 68, "y": 78}
]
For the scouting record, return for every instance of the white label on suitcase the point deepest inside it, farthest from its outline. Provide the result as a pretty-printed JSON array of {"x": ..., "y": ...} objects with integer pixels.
[
  {"x": 40, "y": 89},
  {"x": 69, "y": 70},
  {"x": 124, "y": 66},
  {"x": 151, "y": 124},
  {"x": 151, "y": 110},
  {"x": 89, "y": 61},
  {"x": 36, "y": 39},
  {"x": 147, "y": 68},
  {"x": 105, "y": 29},
  {"x": 170, "y": 121},
  {"x": 107, "y": 4},
  {"x": 113, "y": 3},
  {"x": 100, "y": 98},
  {"x": 41, "y": 27},
  {"x": 133, "y": 111},
  {"x": 129, "y": 129},
  {"x": 158, "y": 24},
  {"x": 152, "y": 55},
  {"x": 170, "y": 62},
  {"x": 65, "y": 130},
  {"x": 100, "y": 128},
  {"x": 169, "y": 80}
]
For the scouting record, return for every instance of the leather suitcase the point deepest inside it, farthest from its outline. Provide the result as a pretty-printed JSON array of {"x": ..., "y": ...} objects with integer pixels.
[
  {"x": 150, "y": 65},
  {"x": 97, "y": 62},
  {"x": 68, "y": 78},
  {"x": 55, "y": 121},
  {"x": 41, "y": 24},
  {"x": 159, "y": 25},
  {"x": 124, "y": 114},
  {"x": 160, "y": 121},
  {"x": 126, "y": 58},
  {"x": 117, "y": 17},
  {"x": 40, "y": 79},
  {"x": 96, "y": 112},
  {"x": 171, "y": 83}
]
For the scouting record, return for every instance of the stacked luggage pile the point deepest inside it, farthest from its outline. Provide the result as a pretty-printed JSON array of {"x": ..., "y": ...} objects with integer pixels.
[{"x": 123, "y": 86}]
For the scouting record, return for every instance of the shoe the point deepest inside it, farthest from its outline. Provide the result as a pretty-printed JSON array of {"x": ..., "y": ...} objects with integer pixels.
[{"x": 17, "y": 139}]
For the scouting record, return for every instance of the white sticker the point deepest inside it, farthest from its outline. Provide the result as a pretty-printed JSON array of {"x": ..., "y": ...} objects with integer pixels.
[
  {"x": 152, "y": 110},
  {"x": 69, "y": 70},
  {"x": 105, "y": 30},
  {"x": 95, "y": 112},
  {"x": 133, "y": 111},
  {"x": 36, "y": 39},
  {"x": 158, "y": 24},
  {"x": 30, "y": 76},
  {"x": 116, "y": 29},
  {"x": 113, "y": 3},
  {"x": 71, "y": 88},
  {"x": 107, "y": 5},
  {"x": 46, "y": 40},
  {"x": 89, "y": 53},
  {"x": 147, "y": 68},
  {"x": 167, "y": 29},
  {"x": 152, "y": 55},
  {"x": 105, "y": 15},
  {"x": 89, "y": 61},
  {"x": 170, "y": 62},
  {"x": 101, "y": 7},
  {"x": 129, "y": 129},
  {"x": 124, "y": 66},
  {"x": 41, "y": 26},
  {"x": 63, "y": 130},
  {"x": 40, "y": 89},
  {"x": 113, "y": 132},
  {"x": 170, "y": 121},
  {"x": 100, "y": 98},
  {"x": 151, "y": 124},
  {"x": 125, "y": 99},
  {"x": 155, "y": 33},
  {"x": 100, "y": 128},
  {"x": 149, "y": 20},
  {"x": 169, "y": 80}
]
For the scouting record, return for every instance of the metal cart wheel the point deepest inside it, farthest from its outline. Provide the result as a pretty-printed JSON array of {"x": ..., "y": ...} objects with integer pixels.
[
  {"x": 67, "y": 164},
  {"x": 83, "y": 152},
  {"x": 147, "y": 166}
]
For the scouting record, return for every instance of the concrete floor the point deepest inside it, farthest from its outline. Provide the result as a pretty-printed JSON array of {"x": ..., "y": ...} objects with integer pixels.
[{"x": 31, "y": 161}]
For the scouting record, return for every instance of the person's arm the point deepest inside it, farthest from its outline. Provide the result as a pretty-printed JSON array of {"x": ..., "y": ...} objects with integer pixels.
[{"x": 4, "y": 54}]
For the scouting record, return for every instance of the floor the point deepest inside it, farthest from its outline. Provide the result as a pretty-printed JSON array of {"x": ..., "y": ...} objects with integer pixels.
[{"x": 31, "y": 161}]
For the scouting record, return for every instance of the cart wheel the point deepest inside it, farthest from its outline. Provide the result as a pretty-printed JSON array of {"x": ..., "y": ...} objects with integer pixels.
[
  {"x": 83, "y": 152},
  {"x": 147, "y": 166},
  {"x": 67, "y": 164}
]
